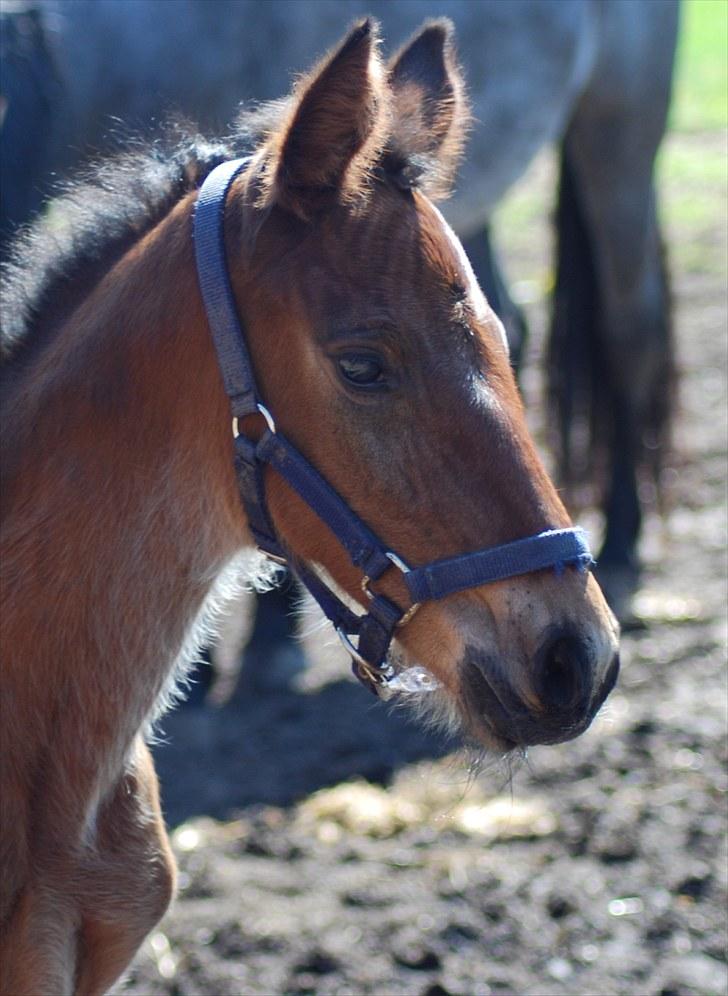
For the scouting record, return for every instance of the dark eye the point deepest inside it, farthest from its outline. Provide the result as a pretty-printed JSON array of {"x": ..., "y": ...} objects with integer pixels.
[{"x": 361, "y": 369}]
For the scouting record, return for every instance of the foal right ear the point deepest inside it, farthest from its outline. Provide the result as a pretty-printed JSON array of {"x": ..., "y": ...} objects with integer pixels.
[{"x": 334, "y": 129}]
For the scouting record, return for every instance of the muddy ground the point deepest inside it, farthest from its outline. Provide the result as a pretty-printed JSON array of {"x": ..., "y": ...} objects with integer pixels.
[{"x": 327, "y": 845}]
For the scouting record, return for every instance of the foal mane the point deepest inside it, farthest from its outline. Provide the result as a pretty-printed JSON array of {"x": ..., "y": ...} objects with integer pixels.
[{"x": 58, "y": 259}]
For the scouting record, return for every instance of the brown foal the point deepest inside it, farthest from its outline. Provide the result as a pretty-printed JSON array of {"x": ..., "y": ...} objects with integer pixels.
[{"x": 122, "y": 529}]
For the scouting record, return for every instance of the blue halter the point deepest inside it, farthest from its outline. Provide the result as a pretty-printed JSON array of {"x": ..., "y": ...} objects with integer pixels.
[{"x": 376, "y": 628}]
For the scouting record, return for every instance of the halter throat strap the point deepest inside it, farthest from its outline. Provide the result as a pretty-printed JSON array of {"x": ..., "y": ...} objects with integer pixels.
[{"x": 375, "y": 629}]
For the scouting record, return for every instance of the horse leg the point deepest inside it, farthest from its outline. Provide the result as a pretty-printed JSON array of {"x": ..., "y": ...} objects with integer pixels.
[
  {"x": 483, "y": 259},
  {"x": 612, "y": 287},
  {"x": 76, "y": 926},
  {"x": 127, "y": 879},
  {"x": 37, "y": 949}
]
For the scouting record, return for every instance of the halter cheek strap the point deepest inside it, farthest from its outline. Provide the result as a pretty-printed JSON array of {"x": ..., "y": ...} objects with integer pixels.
[{"x": 375, "y": 630}]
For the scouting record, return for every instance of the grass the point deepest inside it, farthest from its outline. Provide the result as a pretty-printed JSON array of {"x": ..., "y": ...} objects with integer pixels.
[
  {"x": 701, "y": 80},
  {"x": 693, "y": 162},
  {"x": 692, "y": 166}
]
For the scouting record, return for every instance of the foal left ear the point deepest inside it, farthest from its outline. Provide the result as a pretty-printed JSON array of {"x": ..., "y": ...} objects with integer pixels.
[
  {"x": 334, "y": 130},
  {"x": 430, "y": 109}
]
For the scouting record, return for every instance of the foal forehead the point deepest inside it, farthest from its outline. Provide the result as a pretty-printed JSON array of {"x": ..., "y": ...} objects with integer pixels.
[
  {"x": 400, "y": 250},
  {"x": 447, "y": 256}
]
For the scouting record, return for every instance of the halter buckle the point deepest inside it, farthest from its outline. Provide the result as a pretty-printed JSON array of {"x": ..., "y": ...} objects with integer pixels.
[
  {"x": 376, "y": 679},
  {"x": 404, "y": 569}
]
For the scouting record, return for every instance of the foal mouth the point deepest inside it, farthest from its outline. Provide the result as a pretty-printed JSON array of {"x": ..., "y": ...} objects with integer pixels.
[
  {"x": 497, "y": 714},
  {"x": 487, "y": 716}
]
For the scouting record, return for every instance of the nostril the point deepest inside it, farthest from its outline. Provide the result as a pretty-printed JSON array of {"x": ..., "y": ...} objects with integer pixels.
[{"x": 563, "y": 676}]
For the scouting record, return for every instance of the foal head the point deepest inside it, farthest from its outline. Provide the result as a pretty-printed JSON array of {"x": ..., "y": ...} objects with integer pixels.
[{"x": 383, "y": 363}]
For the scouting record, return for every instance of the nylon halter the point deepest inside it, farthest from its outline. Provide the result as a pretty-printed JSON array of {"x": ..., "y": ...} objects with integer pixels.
[{"x": 375, "y": 630}]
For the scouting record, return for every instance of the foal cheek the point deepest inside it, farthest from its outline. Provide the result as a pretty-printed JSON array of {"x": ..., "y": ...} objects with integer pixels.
[{"x": 434, "y": 639}]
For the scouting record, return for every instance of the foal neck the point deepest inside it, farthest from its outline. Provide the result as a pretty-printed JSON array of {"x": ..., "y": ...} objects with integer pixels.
[{"x": 120, "y": 497}]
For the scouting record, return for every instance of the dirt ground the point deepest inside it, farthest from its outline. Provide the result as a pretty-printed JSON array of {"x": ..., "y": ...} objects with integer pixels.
[{"x": 328, "y": 846}]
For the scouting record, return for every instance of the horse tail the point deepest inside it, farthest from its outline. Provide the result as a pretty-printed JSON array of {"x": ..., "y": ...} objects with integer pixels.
[
  {"x": 657, "y": 434},
  {"x": 592, "y": 409},
  {"x": 575, "y": 349}
]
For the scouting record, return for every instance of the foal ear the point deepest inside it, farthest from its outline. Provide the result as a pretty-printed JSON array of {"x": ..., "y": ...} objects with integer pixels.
[
  {"x": 334, "y": 129},
  {"x": 430, "y": 110}
]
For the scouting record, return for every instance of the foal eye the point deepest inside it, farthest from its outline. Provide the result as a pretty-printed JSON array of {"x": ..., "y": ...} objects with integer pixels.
[{"x": 361, "y": 370}]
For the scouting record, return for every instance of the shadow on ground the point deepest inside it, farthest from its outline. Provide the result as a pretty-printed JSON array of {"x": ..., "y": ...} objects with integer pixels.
[{"x": 276, "y": 747}]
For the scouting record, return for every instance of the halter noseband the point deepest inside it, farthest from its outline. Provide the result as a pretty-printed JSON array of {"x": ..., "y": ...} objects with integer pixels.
[{"x": 376, "y": 628}]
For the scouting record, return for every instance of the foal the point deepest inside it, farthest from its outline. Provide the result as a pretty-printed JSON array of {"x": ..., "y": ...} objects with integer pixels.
[{"x": 122, "y": 528}]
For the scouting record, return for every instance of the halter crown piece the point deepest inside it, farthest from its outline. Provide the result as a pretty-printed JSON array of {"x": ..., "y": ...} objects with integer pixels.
[{"x": 375, "y": 629}]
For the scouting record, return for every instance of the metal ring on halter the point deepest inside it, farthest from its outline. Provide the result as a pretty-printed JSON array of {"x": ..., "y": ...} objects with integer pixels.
[
  {"x": 377, "y": 674},
  {"x": 350, "y": 646},
  {"x": 275, "y": 558},
  {"x": 401, "y": 566},
  {"x": 269, "y": 421},
  {"x": 394, "y": 559},
  {"x": 397, "y": 561},
  {"x": 408, "y": 614}
]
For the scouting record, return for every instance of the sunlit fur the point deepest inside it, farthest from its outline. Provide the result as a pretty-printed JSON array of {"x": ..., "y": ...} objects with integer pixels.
[
  {"x": 249, "y": 570},
  {"x": 122, "y": 528}
]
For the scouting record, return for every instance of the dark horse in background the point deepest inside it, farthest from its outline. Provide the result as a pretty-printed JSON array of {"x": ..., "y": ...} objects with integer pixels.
[{"x": 594, "y": 77}]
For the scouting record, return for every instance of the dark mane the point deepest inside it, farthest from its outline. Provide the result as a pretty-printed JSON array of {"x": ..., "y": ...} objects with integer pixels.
[{"x": 88, "y": 227}]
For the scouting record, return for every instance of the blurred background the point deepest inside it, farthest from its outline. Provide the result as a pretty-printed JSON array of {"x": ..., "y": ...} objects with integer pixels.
[{"x": 327, "y": 844}]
